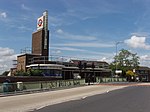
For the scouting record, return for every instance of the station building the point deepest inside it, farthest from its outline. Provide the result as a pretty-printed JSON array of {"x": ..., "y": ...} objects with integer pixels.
[
  {"x": 143, "y": 73},
  {"x": 39, "y": 58}
]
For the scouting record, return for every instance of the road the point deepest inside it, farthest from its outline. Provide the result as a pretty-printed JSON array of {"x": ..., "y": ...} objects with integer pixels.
[
  {"x": 35, "y": 101},
  {"x": 129, "y": 99}
]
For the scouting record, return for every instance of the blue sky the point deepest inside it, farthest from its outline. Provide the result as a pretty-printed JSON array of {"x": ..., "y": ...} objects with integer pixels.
[{"x": 78, "y": 28}]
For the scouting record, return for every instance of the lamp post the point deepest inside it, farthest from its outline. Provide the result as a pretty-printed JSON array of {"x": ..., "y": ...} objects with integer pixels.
[{"x": 117, "y": 54}]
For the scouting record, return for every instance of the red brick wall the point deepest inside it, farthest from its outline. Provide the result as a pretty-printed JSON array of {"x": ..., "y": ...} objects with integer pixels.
[{"x": 37, "y": 42}]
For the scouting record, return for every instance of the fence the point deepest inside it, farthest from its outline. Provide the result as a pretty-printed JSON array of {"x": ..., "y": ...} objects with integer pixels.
[
  {"x": 18, "y": 87},
  {"x": 38, "y": 86},
  {"x": 106, "y": 80},
  {"x": 1, "y": 90}
]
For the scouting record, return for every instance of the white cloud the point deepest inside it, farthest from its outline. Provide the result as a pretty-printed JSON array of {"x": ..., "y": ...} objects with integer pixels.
[
  {"x": 108, "y": 60},
  {"x": 62, "y": 34},
  {"x": 137, "y": 42},
  {"x": 67, "y": 49},
  {"x": 145, "y": 57},
  {"x": 60, "y": 31},
  {"x": 141, "y": 34},
  {"x": 82, "y": 53},
  {"x": 6, "y": 51},
  {"x": 55, "y": 52},
  {"x": 25, "y": 7},
  {"x": 3, "y": 15},
  {"x": 87, "y": 44},
  {"x": 82, "y": 7},
  {"x": 24, "y": 28},
  {"x": 6, "y": 57},
  {"x": 145, "y": 60},
  {"x": 55, "y": 21}
]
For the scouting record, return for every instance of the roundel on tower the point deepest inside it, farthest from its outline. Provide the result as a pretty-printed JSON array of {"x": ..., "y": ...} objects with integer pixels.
[{"x": 40, "y": 22}]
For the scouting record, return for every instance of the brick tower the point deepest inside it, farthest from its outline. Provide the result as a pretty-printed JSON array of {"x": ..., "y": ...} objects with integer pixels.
[{"x": 40, "y": 38}]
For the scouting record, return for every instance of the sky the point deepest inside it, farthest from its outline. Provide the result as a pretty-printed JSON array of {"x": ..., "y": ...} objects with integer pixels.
[{"x": 83, "y": 29}]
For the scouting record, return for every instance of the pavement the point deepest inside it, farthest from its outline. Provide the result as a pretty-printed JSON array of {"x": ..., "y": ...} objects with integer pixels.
[
  {"x": 130, "y": 99},
  {"x": 35, "y": 101}
]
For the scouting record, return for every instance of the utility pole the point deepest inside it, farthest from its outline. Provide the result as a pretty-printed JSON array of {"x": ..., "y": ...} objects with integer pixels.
[{"x": 116, "y": 59}]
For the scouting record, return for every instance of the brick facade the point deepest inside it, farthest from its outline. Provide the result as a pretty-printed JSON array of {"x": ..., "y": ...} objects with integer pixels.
[
  {"x": 38, "y": 43},
  {"x": 24, "y": 60}
]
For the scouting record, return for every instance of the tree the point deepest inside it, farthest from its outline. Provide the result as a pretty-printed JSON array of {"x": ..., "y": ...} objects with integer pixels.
[
  {"x": 21, "y": 73},
  {"x": 125, "y": 60},
  {"x": 130, "y": 73},
  {"x": 135, "y": 60},
  {"x": 131, "y": 76},
  {"x": 36, "y": 72},
  {"x": 31, "y": 72}
]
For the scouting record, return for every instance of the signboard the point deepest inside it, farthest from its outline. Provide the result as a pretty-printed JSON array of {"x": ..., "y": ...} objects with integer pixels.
[
  {"x": 118, "y": 71},
  {"x": 40, "y": 23},
  {"x": 134, "y": 70}
]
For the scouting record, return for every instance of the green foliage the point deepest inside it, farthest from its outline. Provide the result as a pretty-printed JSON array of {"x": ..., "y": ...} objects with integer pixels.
[
  {"x": 130, "y": 73},
  {"x": 33, "y": 72},
  {"x": 29, "y": 73},
  {"x": 125, "y": 60},
  {"x": 21, "y": 73}
]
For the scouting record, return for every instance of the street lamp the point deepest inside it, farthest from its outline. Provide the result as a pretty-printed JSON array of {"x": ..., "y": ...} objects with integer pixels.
[{"x": 117, "y": 54}]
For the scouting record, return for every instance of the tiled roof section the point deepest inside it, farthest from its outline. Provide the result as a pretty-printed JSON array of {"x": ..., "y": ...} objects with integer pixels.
[{"x": 143, "y": 68}]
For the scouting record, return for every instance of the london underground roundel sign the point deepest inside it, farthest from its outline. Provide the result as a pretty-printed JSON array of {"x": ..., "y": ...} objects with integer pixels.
[{"x": 40, "y": 22}]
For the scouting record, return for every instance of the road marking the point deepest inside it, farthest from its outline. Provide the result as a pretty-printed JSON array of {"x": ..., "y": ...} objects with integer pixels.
[
  {"x": 107, "y": 91},
  {"x": 136, "y": 84},
  {"x": 83, "y": 97}
]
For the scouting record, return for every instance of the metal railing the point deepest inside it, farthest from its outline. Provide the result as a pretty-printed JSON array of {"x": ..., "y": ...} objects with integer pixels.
[
  {"x": 18, "y": 87},
  {"x": 106, "y": 80},
  {"x": 21, "y": 87}
]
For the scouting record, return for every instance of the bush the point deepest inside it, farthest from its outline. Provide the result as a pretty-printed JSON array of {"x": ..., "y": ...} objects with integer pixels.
[
  {"x": 131, "y": 76},
  {"x": 130, "y": 73},
  {"x": 35, "y": 73},
  {"x": 21, "y": 73}
]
